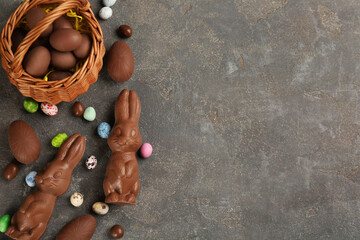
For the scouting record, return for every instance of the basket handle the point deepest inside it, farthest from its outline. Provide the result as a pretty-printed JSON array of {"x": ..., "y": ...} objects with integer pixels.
[{"x": 33, "y": 34}]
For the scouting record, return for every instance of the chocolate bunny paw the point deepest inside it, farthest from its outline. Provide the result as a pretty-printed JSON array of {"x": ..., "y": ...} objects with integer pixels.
[{"x": 117, "y": 198}]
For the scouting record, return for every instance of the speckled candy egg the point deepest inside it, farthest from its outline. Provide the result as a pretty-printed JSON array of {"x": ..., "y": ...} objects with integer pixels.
[
  {"x": 77, "y": 199},
  {"x": 104, "y": 130},
  {"x": 100, "y": 208},
  {"x": 30, "y": 179},
  {"x": 105, "y": 13},
  {"x": 30, "y": 105},
  {"x": 49, "y": 109},
  {"x": 91, "y": 162},
  {"x": 59, "y": 139}
]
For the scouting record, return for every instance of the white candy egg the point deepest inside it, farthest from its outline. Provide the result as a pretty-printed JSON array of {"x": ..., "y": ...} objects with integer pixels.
[
  {"x": 109, "y": 3},
  {"x": 105, "y": 13}
]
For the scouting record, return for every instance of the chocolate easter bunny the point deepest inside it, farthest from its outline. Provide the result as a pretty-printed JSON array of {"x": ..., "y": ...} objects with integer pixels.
[
  {"x": 30, "y": 221},
  {"x": 121, "y": 184}
]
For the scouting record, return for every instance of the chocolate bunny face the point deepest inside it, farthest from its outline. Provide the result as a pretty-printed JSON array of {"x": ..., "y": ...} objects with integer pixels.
[
  {"x": 125, "y": 135},
  {"x": 55, "y": 177}
]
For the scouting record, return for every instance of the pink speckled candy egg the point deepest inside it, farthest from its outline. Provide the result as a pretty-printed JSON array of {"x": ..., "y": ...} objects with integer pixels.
[
  {"x": 91, "y": 162},
  {"x": 146, "y": 150},
  {"x": 49, "y": 109}
]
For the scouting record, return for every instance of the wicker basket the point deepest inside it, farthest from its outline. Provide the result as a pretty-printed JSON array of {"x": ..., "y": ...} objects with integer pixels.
[{"x": 51, "y": 91}]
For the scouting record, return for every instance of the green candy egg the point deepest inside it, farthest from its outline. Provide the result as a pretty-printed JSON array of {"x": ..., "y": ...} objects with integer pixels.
[
  {"x": 31, "y": 105},
  {"x": 58, "y": 140},
  {"x": 4, "y": 223},
  {"x": 90, "y": 114}
]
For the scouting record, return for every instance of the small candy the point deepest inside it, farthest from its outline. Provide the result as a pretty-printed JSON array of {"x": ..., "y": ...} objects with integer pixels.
[
  {"x": 11, "y": 171},
  {"x": 125, "y": 31},
  {"x": 100, "y": 208},
  {"x": 146, "y": 150},
  {"x": 77, "y": 199},
  {"x": 117, "y": 231},
  {"x": 109, "y": 3},
  {"x": 58, "y": 140},
  {"x": 105, "y": 13},
  {"x": 78, "y": 109},
  {"x": 91, "y": 162},
  {"x": 90, "y": 114},
  {"x": 49, "y": 109},
  {"x": 31, "y": 105},
  {"x": 4, "y": 223},
  {"x": 30, "y": 179},
  {"x": 104, "y": 130}
]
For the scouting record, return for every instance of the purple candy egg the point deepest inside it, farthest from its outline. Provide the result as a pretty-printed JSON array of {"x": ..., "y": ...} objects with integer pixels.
[{"x": 91, "y": 162}]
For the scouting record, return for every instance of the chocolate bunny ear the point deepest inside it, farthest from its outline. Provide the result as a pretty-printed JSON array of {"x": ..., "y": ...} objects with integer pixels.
[
  {"x": 72, "y": 150},
  {"x": 134, "y": 106},
  {"x": 127, "y": 106}
]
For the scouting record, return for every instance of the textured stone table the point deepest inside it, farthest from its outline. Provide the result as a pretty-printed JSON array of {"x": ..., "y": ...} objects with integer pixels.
[{"x": 252, "y": 107}]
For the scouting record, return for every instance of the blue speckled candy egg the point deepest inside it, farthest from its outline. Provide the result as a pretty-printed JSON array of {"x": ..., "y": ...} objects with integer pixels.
[
  {"x": 30, "y": 179},
  {"x": 104, "y": 130}
]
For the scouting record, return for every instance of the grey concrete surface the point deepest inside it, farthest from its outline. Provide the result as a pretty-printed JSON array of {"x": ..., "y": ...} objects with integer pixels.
[{"x": 252, "y": 107}]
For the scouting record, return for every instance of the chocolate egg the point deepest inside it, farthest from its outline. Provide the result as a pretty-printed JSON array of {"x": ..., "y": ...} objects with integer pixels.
[
  {"x": 23, "y": 141},
  {"x": 117, "y": 231},
  {"x": 78, "y": 109},
  {"x": 65, "y": 40},
  {"x": 41, "y": 41},
  {"x": 57, "y": 75},
  {"x": 33, "y": 16},
  {"x": 16, "y": 38},
  {"x": 85, "y": 47},
  {"x": 62, "y": 60},
  {"x": 125, "y": 31},
  {"x": 120, "y": 62},
  {"x": 37, "y": 61},
  {"x": 11, "y": 171},
  {"x": 81, "y": 228},
  {"x": 62, "y": 23}
]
